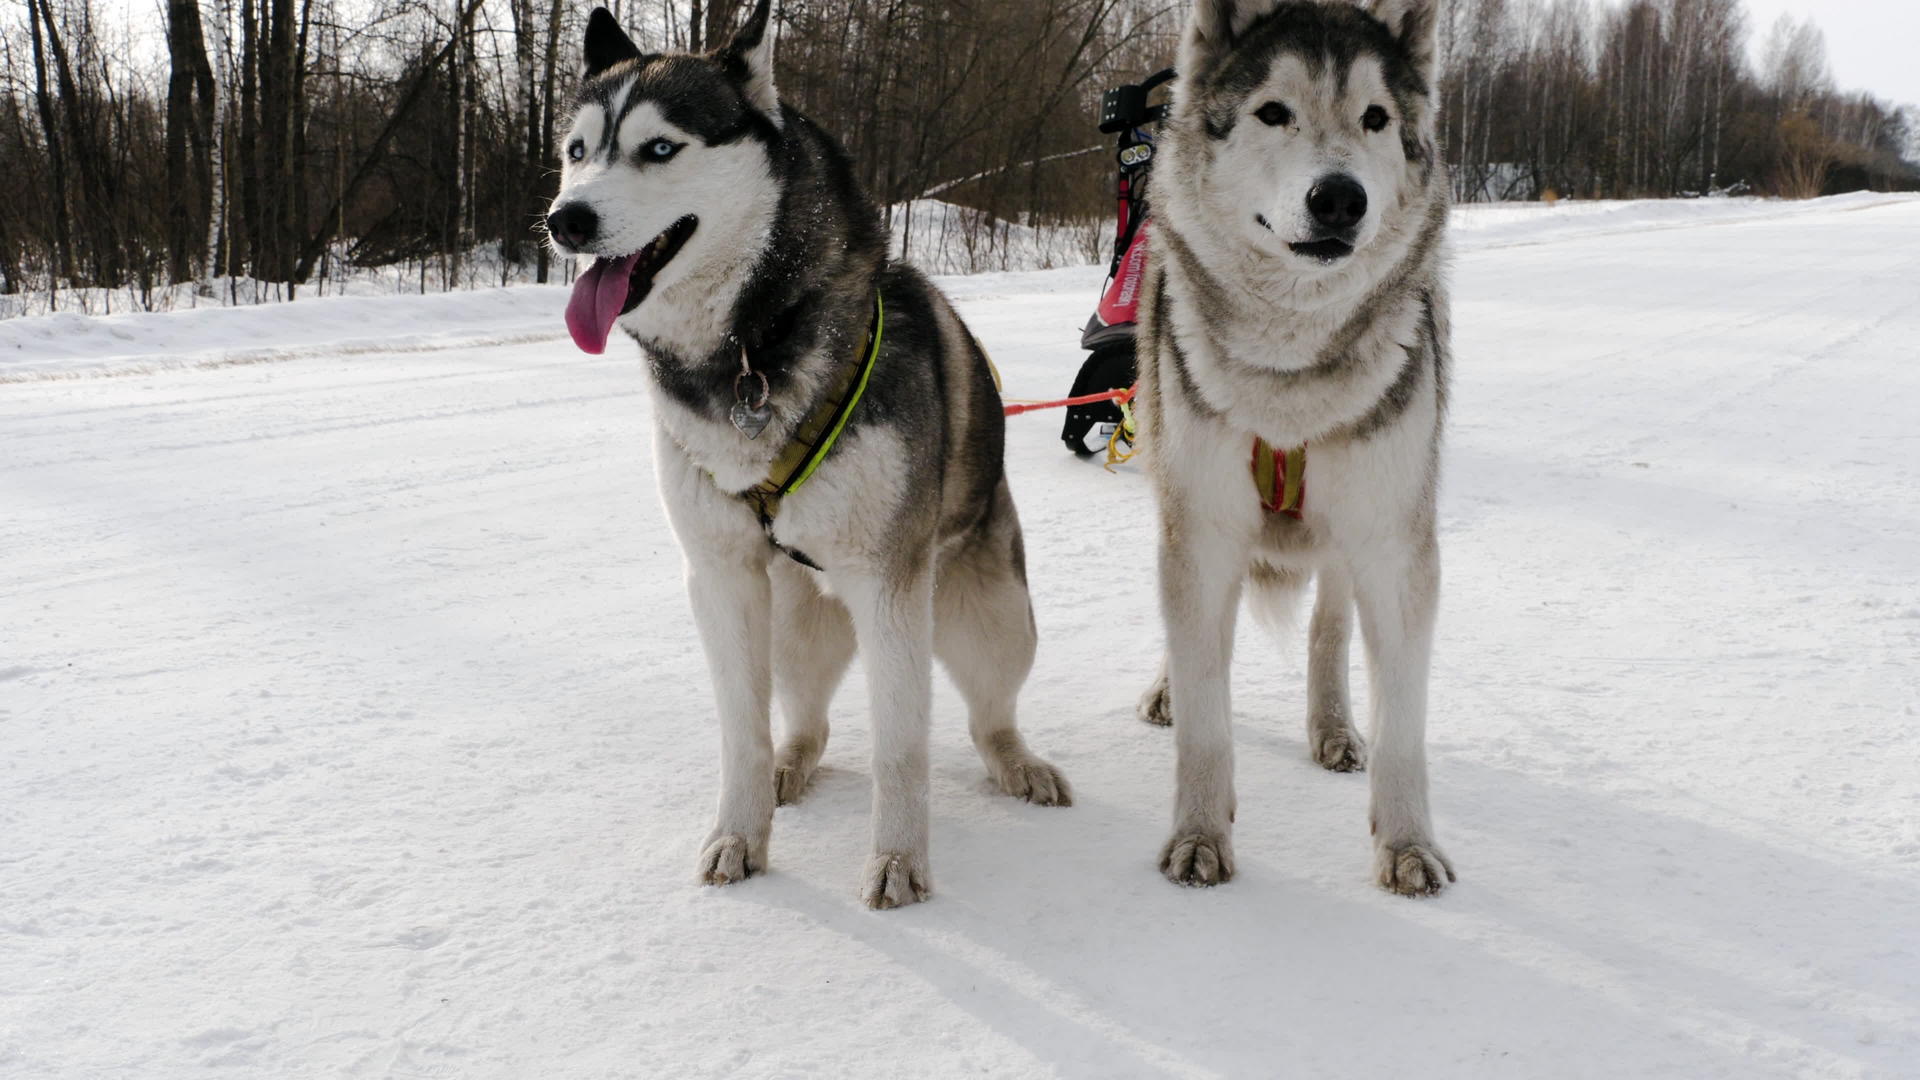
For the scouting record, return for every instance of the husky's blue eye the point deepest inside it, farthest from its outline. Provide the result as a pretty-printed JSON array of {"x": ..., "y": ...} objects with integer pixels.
[
  {"x": 576, "y": 150},
  {"x": 1274, "y": 114},
  {"x": 1374, "y": 119},
  {"x": 660, "y": 149}
]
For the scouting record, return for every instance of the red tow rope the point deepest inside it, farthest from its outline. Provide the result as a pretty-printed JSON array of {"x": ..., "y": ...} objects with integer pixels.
[{"x": 1121, "y": 396}]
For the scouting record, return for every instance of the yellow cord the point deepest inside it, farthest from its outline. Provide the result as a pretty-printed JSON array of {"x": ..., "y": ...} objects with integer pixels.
[
  {"x": 991, "y": 367},
  {"x": 1124, "y": 429}
]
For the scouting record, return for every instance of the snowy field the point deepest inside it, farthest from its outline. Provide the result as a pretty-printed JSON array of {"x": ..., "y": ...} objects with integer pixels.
[
  {"x": 939, "y": 237},
  {"x": 352, "y": 721}
]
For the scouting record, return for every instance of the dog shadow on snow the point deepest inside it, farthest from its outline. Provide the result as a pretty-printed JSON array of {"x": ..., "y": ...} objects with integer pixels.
[{"x": 1555, "y": 954}]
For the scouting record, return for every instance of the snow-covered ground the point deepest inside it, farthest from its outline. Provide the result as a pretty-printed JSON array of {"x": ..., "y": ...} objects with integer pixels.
[{"x": 352, "y": 722}]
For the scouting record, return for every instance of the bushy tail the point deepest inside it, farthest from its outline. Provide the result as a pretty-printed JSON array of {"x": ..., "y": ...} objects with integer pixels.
[{"x": 1273, "y": 596}]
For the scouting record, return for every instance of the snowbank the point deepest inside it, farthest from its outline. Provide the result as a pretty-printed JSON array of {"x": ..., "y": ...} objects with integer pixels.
[
  {"x": 942, "y": 238},
  {"x": 45, "y": 346},
  {"x": 64, "y": 345}
]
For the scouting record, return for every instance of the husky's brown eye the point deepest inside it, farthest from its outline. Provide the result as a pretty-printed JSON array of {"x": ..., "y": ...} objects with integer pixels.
[
  {"x": 1374, "y": 119},
  {"x": 1274, "y": 114}
]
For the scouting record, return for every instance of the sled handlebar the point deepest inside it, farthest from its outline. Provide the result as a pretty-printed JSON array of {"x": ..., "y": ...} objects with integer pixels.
[
  {"x": 1126, "y": 107},
  {"x": 1157, "y": 79}
]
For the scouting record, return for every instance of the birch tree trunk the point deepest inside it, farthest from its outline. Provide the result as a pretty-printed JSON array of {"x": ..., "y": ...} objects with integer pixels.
[{"x": 216, "y": 263}]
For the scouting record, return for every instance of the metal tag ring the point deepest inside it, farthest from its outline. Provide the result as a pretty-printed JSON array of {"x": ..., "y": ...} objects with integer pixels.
[{"x": 765, "y": 392}]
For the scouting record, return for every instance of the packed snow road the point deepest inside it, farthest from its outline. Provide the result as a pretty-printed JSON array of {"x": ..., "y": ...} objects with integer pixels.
[{"x": 352, "y": 722}]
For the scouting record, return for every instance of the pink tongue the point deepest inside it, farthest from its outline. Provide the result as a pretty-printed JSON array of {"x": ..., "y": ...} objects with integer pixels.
[{"x": 598, "y": 295}]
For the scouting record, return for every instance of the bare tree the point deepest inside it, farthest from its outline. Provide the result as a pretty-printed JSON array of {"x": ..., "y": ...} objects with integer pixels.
[
  {"x": 1794, "y": 63},
  {"x": 190, "y": 95},
  {"x": 62, "y": 266},
  {"x": 281, "y": 140}
]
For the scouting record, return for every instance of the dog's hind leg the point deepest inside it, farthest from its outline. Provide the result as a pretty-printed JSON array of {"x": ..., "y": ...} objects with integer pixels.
[
  {"x": 984, "y": 634},
  {"x": 893, "y": 621},
  {"x": 812, "y": 645},
  {"x": 1330, "y": 733},
  {"x": 1156, "y": 705},
  {"x": 732, "y": 605},
  {"x": 1397, "y": 586}
]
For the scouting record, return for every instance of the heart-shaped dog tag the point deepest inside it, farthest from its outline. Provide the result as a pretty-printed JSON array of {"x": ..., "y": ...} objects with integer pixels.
[{"x": 751, "y": 419}]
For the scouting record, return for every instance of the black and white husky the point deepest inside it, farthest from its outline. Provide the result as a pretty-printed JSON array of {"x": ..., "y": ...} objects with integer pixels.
[
  {"x": 733, "y": 244},
  {"x": 1298, "y": 298}
]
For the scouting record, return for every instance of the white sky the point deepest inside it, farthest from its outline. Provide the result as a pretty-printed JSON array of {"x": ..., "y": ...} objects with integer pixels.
[{"x": 1874, "y": 45}]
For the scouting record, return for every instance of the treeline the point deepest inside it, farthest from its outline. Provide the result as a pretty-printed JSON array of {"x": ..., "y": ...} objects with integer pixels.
[
  {"x": 275, "y": 144},
  {"x": 258, "y": 148},
  {"x": 1655, "y": 98}
]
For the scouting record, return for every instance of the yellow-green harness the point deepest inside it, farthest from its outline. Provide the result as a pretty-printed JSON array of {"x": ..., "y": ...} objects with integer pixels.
[{"x": 815, "y": 436}]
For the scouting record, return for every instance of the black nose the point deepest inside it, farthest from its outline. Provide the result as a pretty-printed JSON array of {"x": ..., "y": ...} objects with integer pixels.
[
  {"x": 573, "y": 225},
  {"x": 1338, "y": 202}
]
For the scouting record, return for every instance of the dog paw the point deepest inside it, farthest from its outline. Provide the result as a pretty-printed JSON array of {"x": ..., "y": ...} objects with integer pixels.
[
  {"x": 728, "y": 858},
  {"x": 790, "y": 781},
  {"x": 1412, "y": 869},
  {"x": 1198, "y": 859},
  {"x": 895, "y": 879},
  {"x": 793, "y": 770},
  {"x": 1035, "y": 781},
  {"x": 1340, "y": 750},
  {"x": 1156, "y": 705}
]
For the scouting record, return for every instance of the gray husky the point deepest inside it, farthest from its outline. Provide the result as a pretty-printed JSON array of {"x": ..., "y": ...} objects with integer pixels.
[
  {"x": 827, "y": 433},
  {"x": 1293, "y": 380}
]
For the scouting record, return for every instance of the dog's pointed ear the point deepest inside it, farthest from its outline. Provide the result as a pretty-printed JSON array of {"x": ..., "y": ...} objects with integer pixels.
[
  {"x": 1210, "y": 34},
  {"x": 607, "y": 44},
  {"x": 1212, "y": 29},
  {"x": 748, "y": 61},
  {"x": 1416, "y": 24}
]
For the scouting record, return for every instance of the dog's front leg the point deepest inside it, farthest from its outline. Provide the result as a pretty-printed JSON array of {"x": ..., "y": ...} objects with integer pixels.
[
  {"x": 1202, "y": 569},
  {"x": 893, "y": 623},
  {"x": 1397, "y": 587},
  {"x": 733, "y": 607}
]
